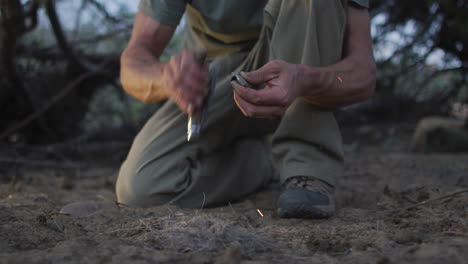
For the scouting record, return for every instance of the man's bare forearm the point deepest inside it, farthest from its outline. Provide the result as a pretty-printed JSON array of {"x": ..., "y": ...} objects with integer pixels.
[
  {"x": 353, "y": 78},
  {"x": 349, "y": 81},
  {"x": 140, "y": 75},
  {"x": 141, "y": 71}
]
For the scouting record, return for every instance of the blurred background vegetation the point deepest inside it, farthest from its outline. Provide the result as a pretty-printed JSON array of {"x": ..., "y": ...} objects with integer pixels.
[{"x": 59, "y": 67}]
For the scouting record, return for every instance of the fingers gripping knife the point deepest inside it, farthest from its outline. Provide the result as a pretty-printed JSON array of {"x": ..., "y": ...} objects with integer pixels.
[{"x": 196, "y": 119}]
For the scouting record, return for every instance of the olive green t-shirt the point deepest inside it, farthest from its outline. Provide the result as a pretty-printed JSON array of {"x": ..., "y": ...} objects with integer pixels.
[
  {"x": 220, "y": 27},
  {"x": 248, "y": 13}
]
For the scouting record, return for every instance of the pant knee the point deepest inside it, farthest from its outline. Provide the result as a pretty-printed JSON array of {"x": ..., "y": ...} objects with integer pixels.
[
  {"x": 133, "y": 188},
  {"x": 126, "y": 188}
]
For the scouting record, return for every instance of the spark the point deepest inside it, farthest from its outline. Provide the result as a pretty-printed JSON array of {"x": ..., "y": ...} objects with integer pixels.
[
  {"x": 340, "y": 79},
  {"x": 259, "y": 212}
]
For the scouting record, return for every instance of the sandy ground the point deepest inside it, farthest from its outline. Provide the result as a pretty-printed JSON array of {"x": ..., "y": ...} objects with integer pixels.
[{"x": 383, "y": 217}]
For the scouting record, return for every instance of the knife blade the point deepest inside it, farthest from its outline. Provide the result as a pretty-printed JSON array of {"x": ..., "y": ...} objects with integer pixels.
[{"x": 195, "y": 121}]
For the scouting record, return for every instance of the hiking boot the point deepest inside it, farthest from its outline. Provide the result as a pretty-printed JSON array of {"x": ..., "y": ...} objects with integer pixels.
[{"x": 306, "y": 197}]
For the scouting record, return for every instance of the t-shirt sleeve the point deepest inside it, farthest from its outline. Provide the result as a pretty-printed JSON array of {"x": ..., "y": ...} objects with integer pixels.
[
  {"x": 167, "y": 12},
  {"x": 363, "y": 3}
]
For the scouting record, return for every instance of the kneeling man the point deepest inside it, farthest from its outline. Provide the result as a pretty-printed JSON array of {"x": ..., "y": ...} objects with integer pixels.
[{"x": 310, "y": 57}]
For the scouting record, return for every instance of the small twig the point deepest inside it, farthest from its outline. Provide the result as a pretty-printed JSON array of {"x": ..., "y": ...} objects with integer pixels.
[
  {"x": 232, "y": 208},
  {"x": 101, "y": 8},
  {"x": 148, "y": 227},
  {"x": 204, "y": 200},
  {"x": 409, "y": 199},
  {"x": 98, "y": 38},
  {"x": 169, "y": 209},
  {"x": 120, "y": 229},
  {"x": 451, "y": 195}
]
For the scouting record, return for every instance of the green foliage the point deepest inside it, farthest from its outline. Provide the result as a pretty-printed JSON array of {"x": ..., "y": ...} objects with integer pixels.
[{"x": 422, "y": 50}]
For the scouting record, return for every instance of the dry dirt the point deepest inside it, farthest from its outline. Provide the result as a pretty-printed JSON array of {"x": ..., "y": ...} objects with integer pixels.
[{"x": 382, "y": 218}]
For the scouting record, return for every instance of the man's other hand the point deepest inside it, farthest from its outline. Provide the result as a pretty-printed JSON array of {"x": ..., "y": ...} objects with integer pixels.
[{"x": 282, "y": 88}]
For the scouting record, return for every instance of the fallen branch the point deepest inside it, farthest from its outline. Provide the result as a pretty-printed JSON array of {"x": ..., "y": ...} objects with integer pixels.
[
  {"x": 55, "y": 99},
  {"x": 41, "y": 163},
  {"x": 59, "y": 34},
  {"x": 451, "y": 195}
]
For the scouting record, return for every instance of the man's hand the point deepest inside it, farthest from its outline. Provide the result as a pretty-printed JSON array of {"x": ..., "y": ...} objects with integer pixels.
[
  {"x": 185, "y": 81},
  {"x": 283, "y": 87}
]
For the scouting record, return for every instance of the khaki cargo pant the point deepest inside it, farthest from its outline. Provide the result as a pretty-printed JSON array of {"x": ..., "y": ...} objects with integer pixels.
[{"x": 232, "y": 158}]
